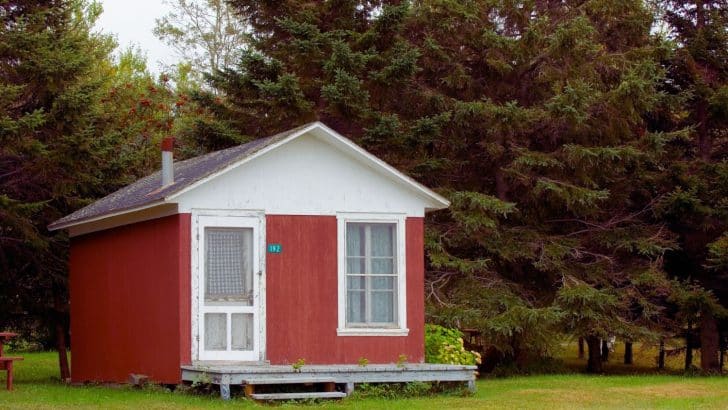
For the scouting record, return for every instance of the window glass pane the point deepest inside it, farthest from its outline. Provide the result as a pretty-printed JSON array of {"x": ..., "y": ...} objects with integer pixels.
[
  {"x": 229, "y": 264},
  {"x": 382, "y": 307},
  {"x": 355, "y": 234},
  {"x": 382, "y": 239},
  {"x": 241, "y": 331},
  {"x": 370, "y": 251},
  {"x": 382, "y": 283},
  {"x": 355, "y": 282},
  {"x": 215, "y": 331},
  {"x": 355, "y": 265},
  {"x": 355, "y": 308},
  {"x": 382, "y": 266}
]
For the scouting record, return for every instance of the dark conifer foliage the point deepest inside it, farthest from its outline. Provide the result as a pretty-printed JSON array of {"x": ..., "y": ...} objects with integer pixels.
[
  {"x": 541, "y": 121},
  {"x": 696, "y": 209},
  {"x": 75, "y": 125},
  {"x": 47, "y": 84}
]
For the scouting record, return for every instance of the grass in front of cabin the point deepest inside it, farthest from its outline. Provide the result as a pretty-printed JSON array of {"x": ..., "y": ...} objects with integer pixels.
[{"x": 37, "y": 386}]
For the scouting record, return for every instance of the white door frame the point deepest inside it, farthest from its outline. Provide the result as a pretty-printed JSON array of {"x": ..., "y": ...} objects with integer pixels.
[{"x": 199, "y": 219}]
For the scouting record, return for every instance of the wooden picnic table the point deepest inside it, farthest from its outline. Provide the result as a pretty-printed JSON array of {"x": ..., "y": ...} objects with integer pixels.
[{"x": 6, "y": 362}]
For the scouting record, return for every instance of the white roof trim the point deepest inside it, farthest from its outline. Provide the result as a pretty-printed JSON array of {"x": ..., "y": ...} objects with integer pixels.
[{"x": 439, "y": 202}]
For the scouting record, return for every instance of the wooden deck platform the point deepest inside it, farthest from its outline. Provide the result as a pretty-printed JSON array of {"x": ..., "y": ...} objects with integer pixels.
[{"x": 250, "y": 374}]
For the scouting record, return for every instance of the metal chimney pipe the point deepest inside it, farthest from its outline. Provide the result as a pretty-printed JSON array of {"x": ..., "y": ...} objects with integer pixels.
[{"x": 167, "y": 161}]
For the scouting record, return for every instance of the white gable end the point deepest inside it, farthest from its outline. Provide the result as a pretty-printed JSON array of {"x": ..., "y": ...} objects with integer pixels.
[{"x": 306, "y": 176}]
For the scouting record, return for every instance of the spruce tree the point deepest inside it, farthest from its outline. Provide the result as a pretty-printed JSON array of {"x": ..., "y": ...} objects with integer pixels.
[
  {"x": 75, "y": 125},
  {"x": 529, "y": 116},
  {"x": 696, "y": 209},
  {"x": 47, "y": 57}
]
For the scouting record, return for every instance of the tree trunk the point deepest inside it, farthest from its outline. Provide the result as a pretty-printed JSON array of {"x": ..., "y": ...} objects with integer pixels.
[
  {"x": 62, "y": 353},
  {"x": 501, "y": 188},
  {"x": 581, "y": 348},
  {"x": 709, "y": 340},
  {"x": 689, "y": 346},
  {"x": 722, "y": 353},
  {"x": 60, "y": 330},
  {"x": 492, "y": 357},
  {"x": 627, "y": 352},
  {"x": 701, "y": 111},
  {"x": 522, "y": 358},
  {"x": 594, "y": 363},
  {"x": 605, "y": 350},
  {"x": 705, "y": 143},
  {"x": 661, "y": 355}
]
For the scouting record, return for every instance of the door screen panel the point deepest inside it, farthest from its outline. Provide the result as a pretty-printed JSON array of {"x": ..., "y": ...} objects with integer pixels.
[{"x": 229, "y": 265}]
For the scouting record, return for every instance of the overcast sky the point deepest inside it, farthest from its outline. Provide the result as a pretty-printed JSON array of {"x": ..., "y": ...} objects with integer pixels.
[{"x": 132, "y": 21}]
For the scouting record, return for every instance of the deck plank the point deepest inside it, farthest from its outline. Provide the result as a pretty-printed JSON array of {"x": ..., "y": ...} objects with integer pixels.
[
  {"x": 288, "y": 379},
  {"x": 294, "y": 396}
]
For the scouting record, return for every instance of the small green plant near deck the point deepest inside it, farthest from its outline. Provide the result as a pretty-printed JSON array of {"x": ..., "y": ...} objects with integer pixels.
[
  {"x": 157, "y": 388},
  {"x": 202, "y": 385},
  {"x": 202, "y": 380},
  {"x": 392, "y": 390},
  {"x": 401, "y": 360},
  {"x": 363, "y": 362},
  {"x": 298, "y": 365},
  {"x": 443, "y": 345}
]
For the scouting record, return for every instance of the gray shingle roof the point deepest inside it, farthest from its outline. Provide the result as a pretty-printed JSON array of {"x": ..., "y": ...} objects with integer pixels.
[{"x": 149, "y": 189}]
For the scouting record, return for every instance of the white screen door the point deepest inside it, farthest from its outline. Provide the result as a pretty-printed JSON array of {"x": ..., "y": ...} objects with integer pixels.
[{"x": 229, "y": 263}]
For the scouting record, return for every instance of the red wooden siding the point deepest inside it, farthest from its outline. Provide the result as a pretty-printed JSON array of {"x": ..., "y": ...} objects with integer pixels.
[
  {"x": 302, "y": 297},
  {"x": 130, "y": 301}
]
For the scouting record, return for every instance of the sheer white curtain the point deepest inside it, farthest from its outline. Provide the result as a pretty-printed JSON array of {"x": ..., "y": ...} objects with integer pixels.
[
  {"x": 383, "y": 263},
  {"x": 371, "y": 273},
  {"x": 356, "y": 268}
]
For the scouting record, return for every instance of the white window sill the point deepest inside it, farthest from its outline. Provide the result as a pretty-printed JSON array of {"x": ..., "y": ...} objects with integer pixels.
[{"x": 371, "y": 332}]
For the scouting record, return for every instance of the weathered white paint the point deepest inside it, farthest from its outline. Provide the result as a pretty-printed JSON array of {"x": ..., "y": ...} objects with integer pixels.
[
  {"x": 434, "y": 201},
  {"x": 307, "y": 176},
  {"x": 401, "y": 330},
  {"x": 351, "y": 373},
  {"x": 431, "y": 200},
  {"x": 227, "y": 218}
]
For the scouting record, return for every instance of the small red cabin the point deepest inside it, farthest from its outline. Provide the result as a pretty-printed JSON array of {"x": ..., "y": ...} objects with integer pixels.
[{"x": 297, "y": 246}]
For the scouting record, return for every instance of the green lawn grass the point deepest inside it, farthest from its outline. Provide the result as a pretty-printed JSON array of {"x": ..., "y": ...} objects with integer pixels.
[{"x": 37, "y": 386}]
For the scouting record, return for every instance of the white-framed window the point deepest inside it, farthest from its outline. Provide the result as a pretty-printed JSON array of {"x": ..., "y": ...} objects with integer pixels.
[{"x": 372, "y": 296}]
